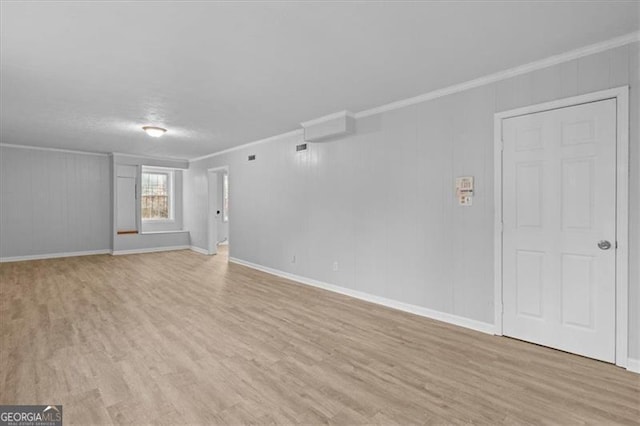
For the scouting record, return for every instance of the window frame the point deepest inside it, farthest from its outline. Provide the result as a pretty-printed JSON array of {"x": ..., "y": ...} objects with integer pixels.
[{"x": 170, "y": 173}]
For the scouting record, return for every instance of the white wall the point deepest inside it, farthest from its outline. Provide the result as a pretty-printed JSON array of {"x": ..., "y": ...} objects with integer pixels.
[
  {"x": 381, "y": 202},
  {"x": 53, "y": 202}
]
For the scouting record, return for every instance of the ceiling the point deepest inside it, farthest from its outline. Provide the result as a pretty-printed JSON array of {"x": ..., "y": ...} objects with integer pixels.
[{"x": 86, "y": 76}]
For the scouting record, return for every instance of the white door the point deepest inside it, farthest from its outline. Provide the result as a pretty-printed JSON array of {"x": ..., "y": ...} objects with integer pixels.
[
  {"x": 559, "y": 211},
  {"x": 212, "y": 222}
]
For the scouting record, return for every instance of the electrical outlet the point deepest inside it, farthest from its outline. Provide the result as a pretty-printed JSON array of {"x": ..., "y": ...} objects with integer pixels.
[
  {"x": 293, "y": 259},
  {"x": 335, "y": 265}
]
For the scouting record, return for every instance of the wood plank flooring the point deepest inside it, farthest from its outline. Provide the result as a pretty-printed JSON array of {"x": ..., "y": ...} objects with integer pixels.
[{"x": 182, "y": 338}]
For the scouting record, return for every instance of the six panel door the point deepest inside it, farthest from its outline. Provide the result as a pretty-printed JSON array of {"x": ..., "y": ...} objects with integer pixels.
[{"x": 559, "y": 211}]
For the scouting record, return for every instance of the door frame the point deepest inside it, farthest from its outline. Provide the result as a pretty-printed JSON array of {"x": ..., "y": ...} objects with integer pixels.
[
  {"x": 211, "y": 222},
  {"x": 621, "y": 94}
]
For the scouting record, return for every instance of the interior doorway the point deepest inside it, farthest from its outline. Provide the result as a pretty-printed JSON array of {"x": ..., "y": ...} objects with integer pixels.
[{"x": 218, "y": 210}]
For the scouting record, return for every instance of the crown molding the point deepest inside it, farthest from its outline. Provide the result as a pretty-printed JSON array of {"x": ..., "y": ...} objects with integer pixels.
[
  {"x": 508, "y": 73},
  {"x": 42, "y": 148},
  {"x": 482, "y": 81},
  {"x": 100, "y": 154},
  {"x": 247, "y": 145},
  {"x": 146, "y": 157}
]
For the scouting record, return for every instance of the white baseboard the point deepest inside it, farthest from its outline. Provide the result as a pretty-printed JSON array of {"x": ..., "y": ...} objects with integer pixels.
[
  {"x": 150, "y": 250},
  {"x": 406, "y": 307},
  {"x": 53, "y": 255},
  {"x": 199, "y": 250},
  {"x": 633, "y": 365}
]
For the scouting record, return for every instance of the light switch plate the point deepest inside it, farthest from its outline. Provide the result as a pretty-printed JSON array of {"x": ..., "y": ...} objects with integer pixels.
[{"x": 465, "y": 200}]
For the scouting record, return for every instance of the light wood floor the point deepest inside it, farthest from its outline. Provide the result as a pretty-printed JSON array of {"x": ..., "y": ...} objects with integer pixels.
[{"x": 174, "y": 338}]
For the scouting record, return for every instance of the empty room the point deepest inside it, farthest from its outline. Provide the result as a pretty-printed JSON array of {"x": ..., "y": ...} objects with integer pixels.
[{"x": 319, "y": 212}]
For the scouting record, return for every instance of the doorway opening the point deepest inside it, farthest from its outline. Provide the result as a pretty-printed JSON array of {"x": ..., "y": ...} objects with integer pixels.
[{"x": 218, "y": 211}]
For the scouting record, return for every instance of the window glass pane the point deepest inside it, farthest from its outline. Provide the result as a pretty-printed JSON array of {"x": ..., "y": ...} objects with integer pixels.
[{"x": 155, "y": 196}]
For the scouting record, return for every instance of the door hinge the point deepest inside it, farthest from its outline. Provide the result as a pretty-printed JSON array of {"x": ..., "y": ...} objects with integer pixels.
[{"x": 501, "y": 144}]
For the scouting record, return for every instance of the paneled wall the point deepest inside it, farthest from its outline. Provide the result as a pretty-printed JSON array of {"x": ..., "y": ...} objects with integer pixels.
[
  {"x": 53, "y": 202},
  {"x": 381, "y": 203}
]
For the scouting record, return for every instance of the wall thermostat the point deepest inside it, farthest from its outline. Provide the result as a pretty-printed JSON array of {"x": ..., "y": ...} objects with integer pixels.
[{"x": 464, "y": 190}]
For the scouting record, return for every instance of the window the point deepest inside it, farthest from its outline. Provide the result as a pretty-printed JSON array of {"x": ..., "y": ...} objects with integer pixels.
[
  {"x": 157, "y": 195},
  {"x": 225, "y": 197}
]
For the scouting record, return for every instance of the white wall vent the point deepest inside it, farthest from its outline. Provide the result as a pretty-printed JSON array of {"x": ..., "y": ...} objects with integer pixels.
[{"x": 329, "y": 127}]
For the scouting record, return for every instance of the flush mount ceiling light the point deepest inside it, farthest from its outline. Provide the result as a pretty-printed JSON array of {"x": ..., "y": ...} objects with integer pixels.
[{"x": 153, "y": 131}]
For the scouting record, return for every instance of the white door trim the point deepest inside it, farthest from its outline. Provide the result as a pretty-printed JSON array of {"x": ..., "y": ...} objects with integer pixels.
[
  {"x": 621, "y": 94},
  {"x": 211, "y": 222}
]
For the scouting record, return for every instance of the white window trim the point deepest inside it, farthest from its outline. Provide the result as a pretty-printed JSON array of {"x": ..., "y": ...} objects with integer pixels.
[{"x": 171, "y": 190}]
